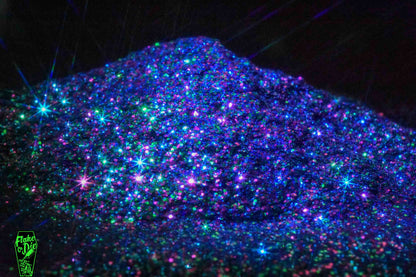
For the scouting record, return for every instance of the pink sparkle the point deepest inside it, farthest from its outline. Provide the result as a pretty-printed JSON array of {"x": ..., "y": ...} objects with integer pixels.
[
  {"x": 84, "y": 181},
  {"x": 138, "y": 178}
]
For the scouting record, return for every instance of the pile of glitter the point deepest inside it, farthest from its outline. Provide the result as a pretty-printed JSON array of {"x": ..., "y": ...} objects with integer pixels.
[{"x": 183, "y": 158}]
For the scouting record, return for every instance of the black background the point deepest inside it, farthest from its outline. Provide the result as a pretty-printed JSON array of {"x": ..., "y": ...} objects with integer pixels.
[{"x": 363, "y": 49}]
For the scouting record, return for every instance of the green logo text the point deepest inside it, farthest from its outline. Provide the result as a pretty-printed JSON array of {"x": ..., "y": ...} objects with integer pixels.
[{"x": 26, "y": 247}]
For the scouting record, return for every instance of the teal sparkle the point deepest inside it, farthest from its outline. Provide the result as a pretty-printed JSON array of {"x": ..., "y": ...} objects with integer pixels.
[
  {"x": 346, "y": 182},
  {"x": 43, "y": 109},
  {"x": 140, "y": 162}
]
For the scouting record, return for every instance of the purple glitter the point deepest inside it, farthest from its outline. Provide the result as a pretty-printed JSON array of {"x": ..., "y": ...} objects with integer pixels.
[{"x": 183, "y": 158}]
